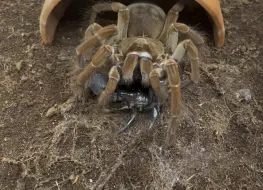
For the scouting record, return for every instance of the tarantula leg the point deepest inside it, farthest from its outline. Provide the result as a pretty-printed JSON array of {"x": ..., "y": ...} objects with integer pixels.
[
  {"x": 172, "y": 39},
  {"x": 101, "y": 56},
  {"x": 128, "y": 67},
  {"x": 123, "y": 16},
  {"x": 171, "y": 18},
  {"x": 91, "y": 30},
  {"x": 123, "y": 23},
  {"x": 174, "y": 83},
  {"x": 193, "y": 35},
  {"x": 192, "y": 53},
  {"x": 159, "y": 90},
  {"x": 114, "y": 78},
  {"x": 101, "y": 7},
  {"x": 104, "y": 33},
  {"x": 146, "y": 67}
]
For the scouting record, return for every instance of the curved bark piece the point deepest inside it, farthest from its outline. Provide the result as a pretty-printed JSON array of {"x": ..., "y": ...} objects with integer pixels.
[
  {"x": 51, "y": 13},
  {"x": 213, "y": 9}
]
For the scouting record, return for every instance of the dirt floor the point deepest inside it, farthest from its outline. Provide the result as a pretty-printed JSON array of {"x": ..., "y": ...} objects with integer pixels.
[{"x": 219, "y": 144}]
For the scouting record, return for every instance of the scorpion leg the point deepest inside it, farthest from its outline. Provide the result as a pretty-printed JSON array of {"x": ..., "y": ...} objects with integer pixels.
[
  {"x": 155, "y": 107},
  {"x": 129, "y": 122},
  {"x": 155, "y": 115}
]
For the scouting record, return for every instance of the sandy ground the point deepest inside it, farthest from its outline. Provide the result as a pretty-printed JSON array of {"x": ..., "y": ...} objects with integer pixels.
[{"x": 219, "y": 144}]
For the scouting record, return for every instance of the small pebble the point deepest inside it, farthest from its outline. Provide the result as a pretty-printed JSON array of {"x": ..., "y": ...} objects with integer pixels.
[
  {"x": 29, "y": 104},
  {"x": 243, "y": 49},
  {"x": 48, "y": 66},
  {"x": 225, "y": 10},
  {"x": 244, "y": 1},
  {"x": 52, "y": 111},
  {"x": 19, "y": 65},
  {"x": 242, "y": 61},
  {"x": 72, "y": 177},
  {"x": 63, "y": 56},
  {"x": 26, "y": 34},
  {"x": 30, "y": 55},
  {"x": 67, "y": 106},
  {"x": 244, "y": 95}
]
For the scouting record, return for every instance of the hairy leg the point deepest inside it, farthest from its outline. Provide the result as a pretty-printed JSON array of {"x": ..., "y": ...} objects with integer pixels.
[
  {"x": 128, "y": 67},
  {"x": 123, "y": 23},
  {"x": 146, "y": 67},
  {"x": 123, "y": 16},
  {"x": 193, "y": 35},
  {"x": 101, "y": 56},
  {"x": 102, "y": 7},
  {"x": 102, "y": 34},
  {"x": 92, "y": 30},
  {"x": 172, "y": 70},
  {"x": 192, "y": 53},
  {"x": 155, "y": 76},
  {"x": 171, "y": 18},
  {"x": 114, "y": 78},
  {"x": 173, "y": 32}
]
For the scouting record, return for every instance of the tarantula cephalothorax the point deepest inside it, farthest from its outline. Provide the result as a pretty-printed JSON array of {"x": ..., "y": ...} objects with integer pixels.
[{"x": 145, "y": 40}]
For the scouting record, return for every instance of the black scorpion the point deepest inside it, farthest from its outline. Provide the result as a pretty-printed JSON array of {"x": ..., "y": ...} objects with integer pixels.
[{"x": 127, "y": 100}]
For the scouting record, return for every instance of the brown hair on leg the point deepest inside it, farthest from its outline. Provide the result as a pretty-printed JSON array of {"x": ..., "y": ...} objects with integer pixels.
[
  {"x": 102, "y": 34},
  {"x": 171, "y": 18},
  {"x": 128, "y": 67},
  {"x": 146, "y": 67},
  {"x": 101, "y": 56},
  {"x": 174, "y": 83},
  {"x": 159, "y": 90},
  {"x": 114, "y": 78}
]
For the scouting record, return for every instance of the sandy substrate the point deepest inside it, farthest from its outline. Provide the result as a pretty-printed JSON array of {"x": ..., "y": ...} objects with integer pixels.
[{"x": 219, "y": 144}]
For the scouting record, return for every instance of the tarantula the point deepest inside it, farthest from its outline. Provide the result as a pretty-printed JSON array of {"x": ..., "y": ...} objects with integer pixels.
[{"x": 144, "y": 40}]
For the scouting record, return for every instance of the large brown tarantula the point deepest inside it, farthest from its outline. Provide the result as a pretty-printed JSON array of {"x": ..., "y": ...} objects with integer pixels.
[{"x": 146, "y": 40}]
